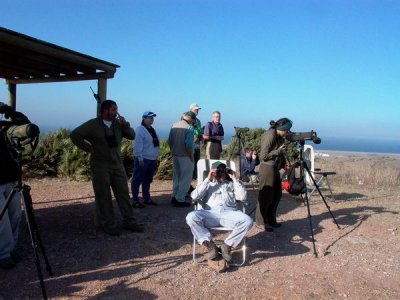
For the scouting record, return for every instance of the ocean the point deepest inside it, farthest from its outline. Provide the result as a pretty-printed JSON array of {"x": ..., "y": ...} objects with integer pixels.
[
  {"x": 328, "y": 143},
  {"x": 354, "y": 145},
  {"x": 359, "y": 145}
]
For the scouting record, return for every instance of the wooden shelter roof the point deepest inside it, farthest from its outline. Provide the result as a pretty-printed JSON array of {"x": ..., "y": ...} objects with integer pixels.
[{"x": 24, "y": 59}]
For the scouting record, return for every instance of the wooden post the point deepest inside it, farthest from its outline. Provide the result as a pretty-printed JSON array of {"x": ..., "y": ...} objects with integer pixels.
[
  {"x": 101, "y": 92},
  {"x": 12, "y": 95}
]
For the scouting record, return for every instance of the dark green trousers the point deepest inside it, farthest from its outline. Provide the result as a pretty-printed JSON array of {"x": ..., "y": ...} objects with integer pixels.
[
  {"x": 107, "y": 177},
  {"x": 269, "y": 195}
]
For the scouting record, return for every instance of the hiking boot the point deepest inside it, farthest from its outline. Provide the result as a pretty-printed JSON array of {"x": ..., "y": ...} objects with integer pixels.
[
  {"x": 132, "y": 227},
  {"x": 114, "y": 231},
  {"x": 212, "y": 249},
  {"x": 150, "y": 202},
  {"x": 191, "y": 189},
  {"x": 7, "y": 263},
  {"x": 137, "y": 204},
  {"x": 179, "y": 203},
  {"x": 16, "y": 254},
  {"x": 226, "y": 252},
  {"x": 275, "y": 224}
]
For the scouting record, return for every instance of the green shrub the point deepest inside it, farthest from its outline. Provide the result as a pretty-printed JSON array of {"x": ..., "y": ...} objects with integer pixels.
[
  {"x": 74, "y": 163},
  {"x": 251, "y": 139},
  {"x": 127, "y": 156},
  {"x": 45, "y": 159},
  {"x": 164, "y": 170}
]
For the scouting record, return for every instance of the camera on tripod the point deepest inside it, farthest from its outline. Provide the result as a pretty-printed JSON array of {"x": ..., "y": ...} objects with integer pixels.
[
  {"x": 19, "y": 129},
  {"x": 241, "y": 130},
  {"x": 300, "y": 137}
]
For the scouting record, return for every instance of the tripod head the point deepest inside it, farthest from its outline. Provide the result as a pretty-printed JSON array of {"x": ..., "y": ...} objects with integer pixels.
[
  {"x": 241, "y": 131},
  {"x": 239, "y": 141}
]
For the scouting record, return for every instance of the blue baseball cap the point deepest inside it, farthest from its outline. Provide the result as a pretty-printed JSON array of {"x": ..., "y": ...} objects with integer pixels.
[{"x": 147, "y": 114}]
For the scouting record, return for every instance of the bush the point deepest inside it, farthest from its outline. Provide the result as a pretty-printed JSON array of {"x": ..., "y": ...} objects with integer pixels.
[
  {"x": 252, "y": 139},
  {"x": 164, "y": 170},
  {"x": 55, "y": 155}
]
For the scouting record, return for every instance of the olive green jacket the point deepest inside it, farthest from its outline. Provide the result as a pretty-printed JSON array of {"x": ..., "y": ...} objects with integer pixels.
[
  {"x": 270, "y": 142},
  {"x": 90, "y": 137}
]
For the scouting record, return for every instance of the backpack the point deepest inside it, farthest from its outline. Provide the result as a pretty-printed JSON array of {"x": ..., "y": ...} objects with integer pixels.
[{"x": 292, "y": 184}]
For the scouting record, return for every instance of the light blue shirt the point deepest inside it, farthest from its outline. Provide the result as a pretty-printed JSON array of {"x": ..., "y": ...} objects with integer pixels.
[{"x": 224, "y": 194}]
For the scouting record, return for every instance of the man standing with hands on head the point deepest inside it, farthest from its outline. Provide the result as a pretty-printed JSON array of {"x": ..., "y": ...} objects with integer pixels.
[{"x": 102, "y": 137}]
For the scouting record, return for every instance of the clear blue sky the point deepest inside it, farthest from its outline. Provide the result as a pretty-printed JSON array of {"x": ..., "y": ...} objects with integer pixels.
[{"x": 330, "y": 66}]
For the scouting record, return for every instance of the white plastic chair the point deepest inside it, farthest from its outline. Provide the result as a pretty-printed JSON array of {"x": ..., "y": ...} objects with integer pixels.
[
  {"x": 319, "y": 176},
  {"x": 203, "y": 168}
]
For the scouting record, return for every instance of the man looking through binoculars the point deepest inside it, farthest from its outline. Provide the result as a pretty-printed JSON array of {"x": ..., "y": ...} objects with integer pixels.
[{"x": 219, "y": 193}]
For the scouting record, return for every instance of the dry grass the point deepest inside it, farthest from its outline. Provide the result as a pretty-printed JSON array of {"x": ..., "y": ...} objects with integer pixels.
[{"x": 362, "y": 169}]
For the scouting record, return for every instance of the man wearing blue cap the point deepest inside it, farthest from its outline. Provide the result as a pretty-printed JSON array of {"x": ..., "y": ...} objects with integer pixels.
[{"x": 146, "y": 150}]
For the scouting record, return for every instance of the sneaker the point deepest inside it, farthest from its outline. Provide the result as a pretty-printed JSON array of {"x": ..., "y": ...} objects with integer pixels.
[
  {"x": 212, "y": 249},
  {"x": 150, "y": 202},
  {"x": 7, "y": 263},
  {"x": 136, "y": 204},
  {"x": 133, "y": 227},
  {"x": 114, "y": 231},
  {"x": 179, "y": 203},
  {"x": 226, "y": 252}
]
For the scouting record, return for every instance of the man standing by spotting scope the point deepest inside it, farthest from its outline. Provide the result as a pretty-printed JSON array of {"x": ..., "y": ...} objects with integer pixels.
[
  {"x": 102, "y": 138},
  {"x": 9, "y": 222}
]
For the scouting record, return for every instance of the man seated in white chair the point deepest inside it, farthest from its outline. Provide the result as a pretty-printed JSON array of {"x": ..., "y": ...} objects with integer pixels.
[{"x": 218, "y": 194}]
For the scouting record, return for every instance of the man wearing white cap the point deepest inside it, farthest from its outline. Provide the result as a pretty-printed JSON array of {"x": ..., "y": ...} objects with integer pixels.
[{"x": 195, "y": 108}]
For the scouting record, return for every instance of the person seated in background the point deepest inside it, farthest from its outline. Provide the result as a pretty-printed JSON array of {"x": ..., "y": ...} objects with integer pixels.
[
  {"x": 219, "y": 193},
  {"x": 248, "y": 163}
]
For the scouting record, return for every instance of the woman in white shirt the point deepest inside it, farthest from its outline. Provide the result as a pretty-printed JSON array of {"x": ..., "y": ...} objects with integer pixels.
[{"x": 146, "y": 149}]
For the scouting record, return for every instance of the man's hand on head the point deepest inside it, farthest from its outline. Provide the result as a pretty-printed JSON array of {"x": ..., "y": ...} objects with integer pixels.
[{"x": 212, "y": 174}]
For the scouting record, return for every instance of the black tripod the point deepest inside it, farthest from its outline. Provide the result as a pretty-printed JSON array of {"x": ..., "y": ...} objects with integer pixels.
[
  {"x": 33, "y": 229},
  {"x": 304, "y": 166},
  {"x": 239, "y": 143}
]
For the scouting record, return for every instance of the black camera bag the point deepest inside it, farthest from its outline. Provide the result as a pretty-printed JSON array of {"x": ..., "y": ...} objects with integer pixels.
[{"x": 292, "y": 184}]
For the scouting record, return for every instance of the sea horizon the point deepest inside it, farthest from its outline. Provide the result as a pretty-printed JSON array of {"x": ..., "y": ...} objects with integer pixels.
[{"x": 341, "y": 144}]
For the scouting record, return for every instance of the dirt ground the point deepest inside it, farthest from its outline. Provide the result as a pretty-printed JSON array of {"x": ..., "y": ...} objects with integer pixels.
[{"x": 358, "y": 261}]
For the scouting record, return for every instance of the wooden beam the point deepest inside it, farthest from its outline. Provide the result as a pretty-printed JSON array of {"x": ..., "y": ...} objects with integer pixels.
[
  {"x": 32, "y": 44},
  {"x": 62, "y": 78},
  {"x": 12, "y": 95},
  {"x": 101, "y": 92}
]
